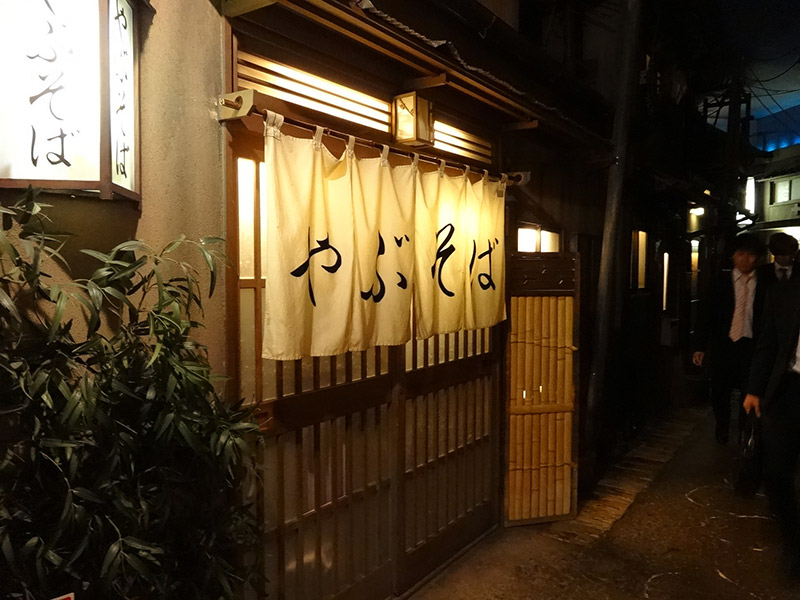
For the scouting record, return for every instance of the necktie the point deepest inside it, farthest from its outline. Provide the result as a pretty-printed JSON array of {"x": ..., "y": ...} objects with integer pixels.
[
  {"x": 742, "y": 292},
  {"x": 783, "y": 273}
]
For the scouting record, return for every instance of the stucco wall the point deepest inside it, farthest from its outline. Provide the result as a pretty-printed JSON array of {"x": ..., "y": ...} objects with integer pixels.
[
  {"x": 183, "y": 187},
  {"x": 182, "y": 168}
]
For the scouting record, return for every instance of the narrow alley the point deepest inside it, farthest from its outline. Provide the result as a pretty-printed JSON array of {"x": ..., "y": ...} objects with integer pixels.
[{"x": 685, "y": 534}]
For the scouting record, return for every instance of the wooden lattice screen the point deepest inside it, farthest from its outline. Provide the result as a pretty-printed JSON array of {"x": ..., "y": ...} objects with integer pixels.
[
  {"x": 379, "y": 465},
  {"x": 541, "y": 476}
]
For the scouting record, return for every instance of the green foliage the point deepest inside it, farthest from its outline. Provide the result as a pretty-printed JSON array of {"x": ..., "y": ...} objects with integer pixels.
[{"x": 125, "y": 480}]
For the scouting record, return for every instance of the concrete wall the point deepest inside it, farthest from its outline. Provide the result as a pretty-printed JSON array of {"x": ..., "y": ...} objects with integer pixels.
[{"x": 182, "y": 164}]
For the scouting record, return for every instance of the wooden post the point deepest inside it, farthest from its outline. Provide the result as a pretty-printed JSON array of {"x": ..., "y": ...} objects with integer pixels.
[{"x": 613, "y": 214}]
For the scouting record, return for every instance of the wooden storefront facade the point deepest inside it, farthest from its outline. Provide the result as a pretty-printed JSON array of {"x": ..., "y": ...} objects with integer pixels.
[{"x": 381, "y": 466}]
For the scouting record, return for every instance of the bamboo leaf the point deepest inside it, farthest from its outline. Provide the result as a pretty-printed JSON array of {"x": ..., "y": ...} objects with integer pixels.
[
  {"x": 9, "y": 305},
  {"x": 174, "y": 244},
  {"x": 156, "y": 352},
  {"x": 112, "y": 555},
  {"x": 211, "y": 268}
]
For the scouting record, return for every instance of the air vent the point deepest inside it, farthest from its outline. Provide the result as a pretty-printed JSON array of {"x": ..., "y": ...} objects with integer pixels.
[
  {"x": 317, "y": 93},
  {"x": 457, "y": 141}
]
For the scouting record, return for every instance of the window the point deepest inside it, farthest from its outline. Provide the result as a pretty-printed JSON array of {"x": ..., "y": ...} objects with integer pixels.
[
  {"x": 639, "y": 260},
  {"x": 532, "y": 238}
]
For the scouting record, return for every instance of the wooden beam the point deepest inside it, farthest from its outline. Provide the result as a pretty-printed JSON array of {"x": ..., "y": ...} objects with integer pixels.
[
  {"x": 521, "y": 125},
  {"x": 234, "y": 8},
  {"x": 421, "y": 83}
]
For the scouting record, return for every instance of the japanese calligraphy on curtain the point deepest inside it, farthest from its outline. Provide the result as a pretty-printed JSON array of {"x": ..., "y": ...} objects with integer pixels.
[{"x": 351, "y": 243}]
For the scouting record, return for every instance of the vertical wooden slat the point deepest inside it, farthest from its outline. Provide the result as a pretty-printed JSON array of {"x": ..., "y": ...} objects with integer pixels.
[
  {"x": 299, "y": 477},
  {"x": 278, "y": 379},
  {"x": 280, "y": 516},
  {"x": 259, "y": 291},
  {"x": 431, "y": 454},
  {"x": 336, "y": 493},
  {"x": 418, "y": 480},
  {"x": 348, "y": 367},
  {"x": 366, "y": 522},
  {"x": 349, "y": 560},
  {"x": 317, "y": 477}
]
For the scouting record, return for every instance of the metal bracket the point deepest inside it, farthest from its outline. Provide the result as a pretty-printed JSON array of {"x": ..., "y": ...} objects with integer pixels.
[
  {"x": 236, "y": 105},
  {"x": 520, "y": 178}
]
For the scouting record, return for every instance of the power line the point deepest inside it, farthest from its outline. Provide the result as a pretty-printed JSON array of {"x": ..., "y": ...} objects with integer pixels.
[
  {"x": 777, "y": 117},
  {"x": 781, "y": 74},
  {"x": 771, "y": 97}
]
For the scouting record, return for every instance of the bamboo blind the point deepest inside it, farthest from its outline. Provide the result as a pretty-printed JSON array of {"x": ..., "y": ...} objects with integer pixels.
[{"x": 541, "y": 405}]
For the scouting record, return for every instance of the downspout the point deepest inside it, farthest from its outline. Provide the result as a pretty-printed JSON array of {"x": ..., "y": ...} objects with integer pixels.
[{"x": 613, "y": 215}]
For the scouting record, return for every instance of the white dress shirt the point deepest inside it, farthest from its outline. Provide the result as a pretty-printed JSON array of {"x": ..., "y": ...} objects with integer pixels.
[{"x": 786, "y": 270}]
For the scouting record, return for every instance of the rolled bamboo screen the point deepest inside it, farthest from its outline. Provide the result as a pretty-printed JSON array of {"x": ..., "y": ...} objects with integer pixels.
[{"x": 539, "y": 480}]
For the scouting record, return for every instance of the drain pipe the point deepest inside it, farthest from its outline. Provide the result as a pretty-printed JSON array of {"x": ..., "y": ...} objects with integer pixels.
[{"x": 613, "y": 215}]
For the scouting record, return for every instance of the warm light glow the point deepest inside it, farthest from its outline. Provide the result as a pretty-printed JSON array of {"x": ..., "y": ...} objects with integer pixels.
[
  {"x": 315, "y": 82},
  {"x": 456, "y": 141},
  {"x": 460, "y": 151},
  {"x": 49, "y": 124},
  {"x": 405, "y": 118},
  {"x": 666, "y": 282},
  {"x": 750, "y": 195},
  {"x": 551, "y": 241},
  {"x": 639, "y": 260},
  {"x": 246, "y": 201},
  {"x": 122, "y": 93},
  {"x": 317, "y": 93},
  {"x": 527, "y": 239},
  {"x": 697, "y": 211},
  {"x": 707, "y": 192}
]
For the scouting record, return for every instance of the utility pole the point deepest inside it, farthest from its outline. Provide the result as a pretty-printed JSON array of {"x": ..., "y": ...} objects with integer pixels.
[{"x": 613, "y": 215}]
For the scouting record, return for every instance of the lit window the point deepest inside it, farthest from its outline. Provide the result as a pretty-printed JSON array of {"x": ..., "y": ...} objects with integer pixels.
[
  {"x": 319, "y": 94},
  {"x": 527, "y": 239},
  {"x": 750, "y": 195},
  {"x": 639, "y": 260},
  {"x": 666, "y": 282},
  {"x": 457, "y": 141},
  {"x": 551, "y": 241}
]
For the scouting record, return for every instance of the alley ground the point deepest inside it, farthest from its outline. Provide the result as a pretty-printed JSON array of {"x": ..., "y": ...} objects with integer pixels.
[{"x": 664, "y": 525}]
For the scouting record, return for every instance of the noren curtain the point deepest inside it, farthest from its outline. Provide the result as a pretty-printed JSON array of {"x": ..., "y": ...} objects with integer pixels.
[{"x": 349, "y": 243}]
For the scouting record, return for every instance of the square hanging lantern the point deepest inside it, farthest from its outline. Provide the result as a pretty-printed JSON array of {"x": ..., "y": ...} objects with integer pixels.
[
  {"x": 413, "y": 120},
  {"x": 69, "y": 111}
]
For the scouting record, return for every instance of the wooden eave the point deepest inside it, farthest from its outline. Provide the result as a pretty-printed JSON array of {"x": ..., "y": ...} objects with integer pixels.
[{"x": 416, "y": 58}]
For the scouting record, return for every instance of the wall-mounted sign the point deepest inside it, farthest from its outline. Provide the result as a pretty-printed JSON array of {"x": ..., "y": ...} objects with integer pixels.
[{"x": 68, "y": 112}]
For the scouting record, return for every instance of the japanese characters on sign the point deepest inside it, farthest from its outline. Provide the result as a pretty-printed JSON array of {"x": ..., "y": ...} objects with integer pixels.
[
  {"x": 49, "y": 124},
  {"x": 51, "y": 120},
  {"x": 121, "y": 97}
]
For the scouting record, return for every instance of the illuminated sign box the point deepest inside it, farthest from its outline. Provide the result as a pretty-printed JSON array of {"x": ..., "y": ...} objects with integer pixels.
[{"x": 69, "y": 110}]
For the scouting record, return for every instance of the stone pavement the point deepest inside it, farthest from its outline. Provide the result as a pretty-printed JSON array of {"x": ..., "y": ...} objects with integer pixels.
[{"x": 663, "y": 525}]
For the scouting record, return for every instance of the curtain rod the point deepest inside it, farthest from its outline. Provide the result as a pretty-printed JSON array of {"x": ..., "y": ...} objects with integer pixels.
[{"x": 242, "y": 108}]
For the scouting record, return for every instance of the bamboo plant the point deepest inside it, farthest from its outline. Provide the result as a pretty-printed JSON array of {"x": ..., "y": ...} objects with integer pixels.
[{"x": 121, "y": 467}]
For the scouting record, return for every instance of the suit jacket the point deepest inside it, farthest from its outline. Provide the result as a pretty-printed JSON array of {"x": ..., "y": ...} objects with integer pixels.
[
  {"x": 766, "y": 274},
  {"x": 777, "y": 341},
  {"x": 716, "y": 313}
]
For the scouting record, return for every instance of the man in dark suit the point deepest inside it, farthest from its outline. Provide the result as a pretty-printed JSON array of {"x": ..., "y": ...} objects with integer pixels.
[
  {"x": 774, "y": 393},
  {"x": 784, "y": 250},
  {"x": 729, "y": 321}
]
